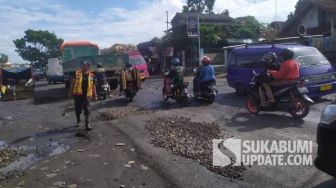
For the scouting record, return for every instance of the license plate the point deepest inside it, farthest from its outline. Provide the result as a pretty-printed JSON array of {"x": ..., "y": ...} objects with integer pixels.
[{"x": 326, "y": 87}]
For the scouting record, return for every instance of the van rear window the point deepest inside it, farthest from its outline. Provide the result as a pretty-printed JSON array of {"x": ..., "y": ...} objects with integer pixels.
[
  {"x": 310, "y": 57},
  {"x": 248, "y": 61}
]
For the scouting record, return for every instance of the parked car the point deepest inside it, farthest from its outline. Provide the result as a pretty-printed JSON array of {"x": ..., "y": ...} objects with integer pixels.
[
  {"x": 315, "y": 69},
  {"x": 326, "y": 140}
]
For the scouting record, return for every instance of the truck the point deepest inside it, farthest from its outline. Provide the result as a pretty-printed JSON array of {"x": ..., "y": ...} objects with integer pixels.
[
  {"x": 112, "y": 63},
  {"x": 113, "y": 60},
  {"x": 135, "y": 57},
  {"x": 55, "y": 71}
]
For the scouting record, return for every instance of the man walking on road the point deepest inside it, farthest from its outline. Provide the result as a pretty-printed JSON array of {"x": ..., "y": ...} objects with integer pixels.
[{"x": 83, "y": 89}]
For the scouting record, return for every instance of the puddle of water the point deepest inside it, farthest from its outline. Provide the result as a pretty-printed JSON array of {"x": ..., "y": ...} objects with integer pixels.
[
  {"x": 58, "y": 148},
  {"x": 17, "y": 167}
]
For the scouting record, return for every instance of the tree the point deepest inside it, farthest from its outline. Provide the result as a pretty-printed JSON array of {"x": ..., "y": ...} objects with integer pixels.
[
  {"x": 209, "y": 4},
  {"x": 249, "y": 27},
  {"x": 199, "y": 6},
  {"x": 3, "y": 58},
  {"x": 38, "y": 46}
]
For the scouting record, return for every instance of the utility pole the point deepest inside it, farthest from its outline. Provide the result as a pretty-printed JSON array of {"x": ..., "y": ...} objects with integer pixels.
[
  {"x": 167, "y": 22},
  {"x": 199, "y": 40}
]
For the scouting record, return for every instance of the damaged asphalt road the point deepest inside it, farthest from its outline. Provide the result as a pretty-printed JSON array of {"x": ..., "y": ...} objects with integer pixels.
[{"x": 132, "y": 145}]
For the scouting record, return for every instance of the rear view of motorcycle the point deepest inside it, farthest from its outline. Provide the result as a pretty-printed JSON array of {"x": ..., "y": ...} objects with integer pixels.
[
  {"x": 291, "y": 98},
  {"x": 178, "y": 92},
  {"x": 206, "y": 91},
  {"x": 103, "y": 91},
  {"x": 130, "y": 82}
]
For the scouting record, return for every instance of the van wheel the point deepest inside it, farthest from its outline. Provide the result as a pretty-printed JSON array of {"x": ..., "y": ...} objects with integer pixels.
[{"x": 240, "y": 90}]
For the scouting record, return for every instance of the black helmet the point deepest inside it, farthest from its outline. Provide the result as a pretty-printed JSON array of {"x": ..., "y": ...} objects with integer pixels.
[
  {"x": 287, "y": 54},
  {"x": 270, "y": 58},
  {"x": 99, "y": 65},
  {"x": 85, "y": 63}
]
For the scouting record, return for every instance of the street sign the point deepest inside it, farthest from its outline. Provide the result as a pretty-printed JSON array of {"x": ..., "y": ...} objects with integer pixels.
[{"x": 192, "y": 26}]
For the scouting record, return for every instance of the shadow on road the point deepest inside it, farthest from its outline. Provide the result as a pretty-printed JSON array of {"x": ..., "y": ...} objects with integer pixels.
[
  {"x": 231, "y": 99},
  {"x": 248, "y": 122},
  {"x": 111, "y": 103},
  {"x": 327, "y": 184},
  {"x": 50, "y": 95}
]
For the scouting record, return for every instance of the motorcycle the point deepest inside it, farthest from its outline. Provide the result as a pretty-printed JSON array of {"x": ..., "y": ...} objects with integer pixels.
[
  {"x": 178, "y": 92},
  {"x": 104, "y": 90},
  {"x": 131, "y": 91},
  {"x": 292, "y": 98},
  {"x": 207, "y": 91}
]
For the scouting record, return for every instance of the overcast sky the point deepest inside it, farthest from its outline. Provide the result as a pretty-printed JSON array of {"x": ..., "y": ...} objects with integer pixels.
[{"x": 112, "y": 21}]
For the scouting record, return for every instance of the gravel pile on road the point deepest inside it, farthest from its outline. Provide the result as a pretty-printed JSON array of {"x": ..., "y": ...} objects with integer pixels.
[
  {"x": 121, "y": 112},
  {"x": 190, "y": 139},
  {"x": 7, "y": 156}
]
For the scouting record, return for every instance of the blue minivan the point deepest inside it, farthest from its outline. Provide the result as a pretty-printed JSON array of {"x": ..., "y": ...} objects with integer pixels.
[{"x": 315, "y": 69}]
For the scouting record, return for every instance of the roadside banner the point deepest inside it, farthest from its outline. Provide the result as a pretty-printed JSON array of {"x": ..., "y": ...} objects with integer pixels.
[{"x": 192, "y": 26}]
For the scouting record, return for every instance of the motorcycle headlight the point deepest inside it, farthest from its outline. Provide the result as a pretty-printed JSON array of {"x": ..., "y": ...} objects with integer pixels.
[{"x": 329, "y": 114}]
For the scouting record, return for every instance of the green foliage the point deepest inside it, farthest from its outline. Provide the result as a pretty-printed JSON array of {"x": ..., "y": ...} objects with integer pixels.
[
  {"x": 213, "y": 36},
  {"x": 38, "y": 46},
  {"x": 248, "y": 27},
  {"x": 200, "y": 6},
  {"x": 299, "y": 5},
  {"x": 3, "y": 58},
  {"x": 209, "y": 4}
]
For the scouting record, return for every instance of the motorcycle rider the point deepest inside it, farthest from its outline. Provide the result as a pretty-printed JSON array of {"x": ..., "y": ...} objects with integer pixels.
[
  {"x": 176, "y": 74},
  {"x": 129, "y": 74},
  {"x": 205, "y": 75},
  {"x": 288, "y": 73},
  {"x": 100, "y": 77},
  {"x": 100, "y": 74}
]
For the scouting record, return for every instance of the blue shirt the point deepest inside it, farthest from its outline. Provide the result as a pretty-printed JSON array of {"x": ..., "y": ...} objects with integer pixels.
[{"x": 207, "y": 73}]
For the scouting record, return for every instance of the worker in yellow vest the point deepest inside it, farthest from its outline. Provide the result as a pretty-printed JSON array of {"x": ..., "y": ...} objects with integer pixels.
[{"x": 83, "y": 89}]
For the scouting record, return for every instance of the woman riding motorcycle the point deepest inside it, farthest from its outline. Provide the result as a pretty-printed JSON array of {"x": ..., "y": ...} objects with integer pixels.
[
  {"x": 205, "y": 75},
  {"x": 287, "y": 74}
]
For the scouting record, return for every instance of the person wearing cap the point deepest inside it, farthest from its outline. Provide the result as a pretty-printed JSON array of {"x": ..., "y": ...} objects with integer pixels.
[
  {"x": 100, "y": 74},
  {"x": 83, "y": 89},
  {"x": 206, "y": 74}
]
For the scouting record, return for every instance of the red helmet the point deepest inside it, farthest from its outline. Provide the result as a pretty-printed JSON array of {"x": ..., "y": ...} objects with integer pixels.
[{"x": 206, "y": 60}]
